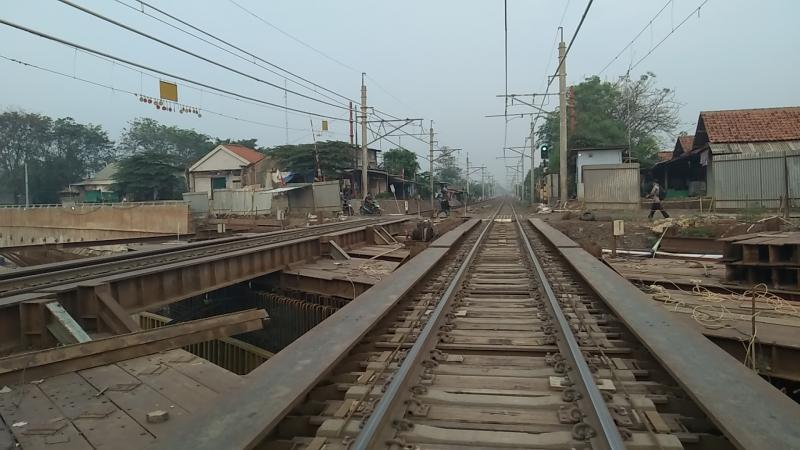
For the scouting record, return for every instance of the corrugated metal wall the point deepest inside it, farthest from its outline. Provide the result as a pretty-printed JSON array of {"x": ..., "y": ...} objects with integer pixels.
[
  {"x": 755, "y": 181},
  {"x": 242, "y": 201},
  {"x": 611, "y": 186}
]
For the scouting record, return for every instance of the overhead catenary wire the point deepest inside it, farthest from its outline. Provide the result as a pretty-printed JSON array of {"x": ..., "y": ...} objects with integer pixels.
[
  {"x": 649, "y": 23},
  {"x": 287, "y": 74},
  {"x": 125, "y": 91},
  {"x": 686, "y": 19},
  {"x": 196, "y": 55},
  {"x": 162, "y": 72},
  {"x": 294, "y": 38}
]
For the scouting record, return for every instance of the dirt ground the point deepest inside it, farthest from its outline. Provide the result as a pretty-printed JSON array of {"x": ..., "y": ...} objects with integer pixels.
[{"x": 641, "y": 233}]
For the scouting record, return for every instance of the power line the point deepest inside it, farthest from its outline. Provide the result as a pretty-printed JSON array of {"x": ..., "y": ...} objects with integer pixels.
[
  {"x": 161, "y": 72},
  {"x": 636, "y": 37},
  {"x": 223, "y": 41},
  {"x": 195, "y": 55},
  {"x": 572, "y": 40},
  {"x": 116, "y": 89},
  {"x": 298, "y": 40},
  {"x": 696, "y": 10}
]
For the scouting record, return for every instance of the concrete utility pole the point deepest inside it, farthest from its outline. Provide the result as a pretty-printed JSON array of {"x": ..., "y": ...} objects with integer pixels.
[
  {"x": 533, "y": 159},
  {"x": 466, "y": 199},
  {"x": 562, "y": 106},
  {"x": 433, "y": 207},
  {"x": 483, "y": 183},
  {"x": 27, "y": 191},
  {"x": 364, "y": 151}
]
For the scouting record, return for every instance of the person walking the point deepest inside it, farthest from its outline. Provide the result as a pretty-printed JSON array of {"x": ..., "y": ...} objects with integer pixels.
[{"x": 657, "y": 193}]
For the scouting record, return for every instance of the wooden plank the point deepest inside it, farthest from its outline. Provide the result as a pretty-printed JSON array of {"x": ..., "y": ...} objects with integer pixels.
[
  {"x": 37, "y": 423},
  {"x": 98, "y": 419},
  {"x": 45, "y": 363},
  {"x": 200, "y": 370},
  {"x": 179, "y": 388},
  {"x": 135, "y": 398}
]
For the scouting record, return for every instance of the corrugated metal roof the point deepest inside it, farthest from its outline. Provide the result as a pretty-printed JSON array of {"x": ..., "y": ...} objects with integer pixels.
[{"x": 753, "y": 147}]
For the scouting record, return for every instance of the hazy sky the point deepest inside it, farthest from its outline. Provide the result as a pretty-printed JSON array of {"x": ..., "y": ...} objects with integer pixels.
[{"x": 439, "y": 60}]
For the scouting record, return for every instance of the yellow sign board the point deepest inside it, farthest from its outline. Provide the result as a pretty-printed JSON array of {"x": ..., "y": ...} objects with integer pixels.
[
  {"x": 324, "y": 125},
  {"x": 168, "y": 91}
]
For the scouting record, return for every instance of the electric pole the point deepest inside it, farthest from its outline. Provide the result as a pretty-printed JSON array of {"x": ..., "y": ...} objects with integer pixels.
[
  {"x": 533, "y": 159},
  {"x": 27, "y": 191},
  {"x": 562, "y": 106},
  {"x": 483, "y": 183},
  {"x": 466, "y": 199},
  {"x": 364, "y": 151},
  {"x": 433, "y": 207}
]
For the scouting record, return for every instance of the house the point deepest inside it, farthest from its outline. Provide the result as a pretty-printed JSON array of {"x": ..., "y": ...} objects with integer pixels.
[
  {"x": 377, "y": 177},
  {"x": 229, "y": 166},
  {"x": 96, "y": 189},
  {"x": 728, "y": 132},
  {"x": 594, "y": 156}
]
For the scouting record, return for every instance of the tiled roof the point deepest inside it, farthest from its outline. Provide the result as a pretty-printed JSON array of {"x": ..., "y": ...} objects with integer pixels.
[
  {"x": 752, "y": 125},
  {"x": 245, "y": 152}
]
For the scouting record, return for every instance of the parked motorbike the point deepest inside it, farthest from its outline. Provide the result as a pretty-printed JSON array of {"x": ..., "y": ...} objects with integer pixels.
[
  {"x": 347, "y": 209},
  {"x": 370, "y": 209}
]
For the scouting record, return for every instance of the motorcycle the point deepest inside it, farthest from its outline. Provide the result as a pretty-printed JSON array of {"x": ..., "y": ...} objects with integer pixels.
[
  {"x": 370, "y": 209},
  {"x": 347, "y": 209}
]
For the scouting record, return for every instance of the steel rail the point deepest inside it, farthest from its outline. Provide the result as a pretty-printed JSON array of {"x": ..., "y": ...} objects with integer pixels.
[
  {"x": 608, "y": 436},
  {"x": 376, "y": 422},
  {"x": 86, "y": 262},
  {"x": 43, "y": 278}
]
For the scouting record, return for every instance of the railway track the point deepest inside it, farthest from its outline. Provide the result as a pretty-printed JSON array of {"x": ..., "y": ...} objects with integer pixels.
[
  {"x": 46, "y": 276},
  {"x": 500, "y": 347}
]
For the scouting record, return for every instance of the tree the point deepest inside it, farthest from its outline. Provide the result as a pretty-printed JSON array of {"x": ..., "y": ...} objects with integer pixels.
[
  {"x": 647, "y": 113},
  {"x": 25, "y": 138},
  {"x": 448, "y": 171},
  {"x": 334, "y": 158},
  {"x": 183, "y": 145},
  {"x": 636, "y": 113},
  {"x": 150, "y": 175},
  {"x": 57, "y": 152},
  {"x": 400, "y": 161}
]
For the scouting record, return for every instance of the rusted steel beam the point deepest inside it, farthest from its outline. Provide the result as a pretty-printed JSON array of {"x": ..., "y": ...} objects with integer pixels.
[
  {"x": 45, "y": 363},
  {"x": 719, "y": 384}
]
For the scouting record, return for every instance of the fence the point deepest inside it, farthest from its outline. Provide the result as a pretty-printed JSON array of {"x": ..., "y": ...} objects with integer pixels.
[
  {"x": 242, "y": 202},
  {"x": 611, "y": 186},
  {"x": 232, "y": 354},
  {"x": 759, "y": 180}
]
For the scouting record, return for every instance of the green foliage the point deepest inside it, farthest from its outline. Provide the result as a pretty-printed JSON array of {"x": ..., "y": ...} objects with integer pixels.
[
  {"x": 150, "y": 175},
  {"x": 147, "y": 135},
  {"x": 424, "y": 185},
  {"x": 400, "y": 160},
  {"x": 334, "y": 157},
  {"x": 448, "y": 171},
  {"x": 58, "y": 152},
  {"x": 631, "y": 111}
]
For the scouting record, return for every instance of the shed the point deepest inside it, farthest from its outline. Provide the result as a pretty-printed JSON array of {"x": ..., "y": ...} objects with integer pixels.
[
  {"x": 592, "y": 156},
  {"x": 229, "y": 166}
]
